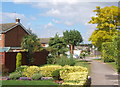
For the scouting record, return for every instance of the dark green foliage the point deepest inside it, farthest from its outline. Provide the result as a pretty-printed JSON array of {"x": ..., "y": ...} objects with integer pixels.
[
  {"x": 116, "y": 42},
  {"x": 65, "y": 61},
  {"x": 21, "y": 68},
  {"x": 37, "y": 76},
  {"x": 15, "y": 75},
  {"x": 18, "y": 59},
  {"x": 72, "y": 38},
  {"x": 56, "y": 74},
  {"x": 108, "y": 52},
  {"x": 57, "y": 45},
  {"x": 51, "y": 60},
  {"x": 31, "y": 43}
]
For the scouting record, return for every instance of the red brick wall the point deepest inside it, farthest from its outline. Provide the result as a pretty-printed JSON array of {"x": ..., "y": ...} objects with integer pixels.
[
  {"x": 2, "y": 58},
  {"x": 2, "y": 40},
  {"x": 10, "y": 59},
  {"x": 14, "y": 37}
]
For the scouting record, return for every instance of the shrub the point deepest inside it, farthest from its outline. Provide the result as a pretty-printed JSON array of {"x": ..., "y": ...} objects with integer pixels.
[
  {"x": 116, "y": 42},
  {"x": 21, "y": 68},
  {"x": 56, "y": 74},
  {"x": 74, "y": 75},
  {"x": 108, "y": 52},
  {"x": 18, "y": 59},
  {"x": 47, "y": 70},
  {"x": 5, "y": 71},
  {"x": 71, "y": 69},
  {"x": 36, "y": 76},
  {"x": 15, "y": 75},
  {"x": 65, "y": 61},
  {"x": 30, "y": 71}
]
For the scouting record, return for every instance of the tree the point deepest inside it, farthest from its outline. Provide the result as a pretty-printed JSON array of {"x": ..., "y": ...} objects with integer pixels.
[
  {"x": 72, "y": 38},
  {"x": 58, "y": 46},
  {"x": 107, "y": 20},
  {"x": 18, "y": 60},
  {"x": 31, "y": 43}
]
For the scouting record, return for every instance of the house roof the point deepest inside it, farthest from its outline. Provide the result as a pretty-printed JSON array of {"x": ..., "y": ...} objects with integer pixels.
[
  {"x": 8, "y": 26},
  {"x": 44, "y": 40}
]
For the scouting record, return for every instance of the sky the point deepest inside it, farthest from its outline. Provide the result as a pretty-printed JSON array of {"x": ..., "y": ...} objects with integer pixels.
[{"x": 48, "y": 17}]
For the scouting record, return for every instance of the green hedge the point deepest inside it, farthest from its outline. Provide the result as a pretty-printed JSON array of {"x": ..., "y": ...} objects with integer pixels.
[
  {"x": 111, "y": 51},
  {"x": 108, "y": 52},
  {"x": 116, "y": 43}
]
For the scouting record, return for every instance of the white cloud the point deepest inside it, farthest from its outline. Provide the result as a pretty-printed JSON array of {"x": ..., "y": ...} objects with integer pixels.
[
  {"x": 48, "y": 25},
  {"x": 68, "y": 23},
  {"x": 56, "y": 21},
  {"x": 10, "y": 17},
  {"x": 53, "y": 12}
]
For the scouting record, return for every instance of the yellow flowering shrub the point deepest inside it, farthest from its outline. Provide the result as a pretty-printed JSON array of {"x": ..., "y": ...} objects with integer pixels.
[
  {"x": 71, "y": 69},
  {"x": 30, "y": 71},
  {"x": 48, "y": 69},
  {"x": 74, "y": 75}
]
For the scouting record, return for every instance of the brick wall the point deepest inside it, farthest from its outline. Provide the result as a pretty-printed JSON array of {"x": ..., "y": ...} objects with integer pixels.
[{"x": 2, "y": 40}]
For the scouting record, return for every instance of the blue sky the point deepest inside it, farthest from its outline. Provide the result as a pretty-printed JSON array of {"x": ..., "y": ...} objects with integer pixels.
[{"x": 46, "y": 18}]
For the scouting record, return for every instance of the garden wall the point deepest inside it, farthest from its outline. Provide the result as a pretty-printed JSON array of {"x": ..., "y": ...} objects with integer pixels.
[{"x": 9, "y": 59}]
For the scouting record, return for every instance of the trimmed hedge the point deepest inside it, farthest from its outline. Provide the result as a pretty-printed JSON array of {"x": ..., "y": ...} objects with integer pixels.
[
  {"x": 108, "y": 52},
  {"x": 111, "y": 51},
  {"x": 116, "y": 42}
]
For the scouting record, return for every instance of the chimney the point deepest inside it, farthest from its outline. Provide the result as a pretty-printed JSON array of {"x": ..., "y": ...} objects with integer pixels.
[{"x": 17, "y": 20}]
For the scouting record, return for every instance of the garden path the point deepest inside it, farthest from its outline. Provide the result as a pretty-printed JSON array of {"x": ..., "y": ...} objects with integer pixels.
[{"x": 103, "y": 74}]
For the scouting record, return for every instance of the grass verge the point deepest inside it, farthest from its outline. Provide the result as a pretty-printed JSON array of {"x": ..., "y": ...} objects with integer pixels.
[{"x": 25, "y": 83}]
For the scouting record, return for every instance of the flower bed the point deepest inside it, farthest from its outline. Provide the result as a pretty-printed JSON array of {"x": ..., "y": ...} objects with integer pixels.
[{"x": 68, "y": 75}]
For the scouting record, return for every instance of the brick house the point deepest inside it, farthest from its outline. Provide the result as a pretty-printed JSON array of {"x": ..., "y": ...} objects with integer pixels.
[
  {"x": 44, "y": 42},
  {"x": 11, "y": 35}
]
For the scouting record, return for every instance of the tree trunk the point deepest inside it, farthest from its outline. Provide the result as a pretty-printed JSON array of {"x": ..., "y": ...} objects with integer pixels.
[{"x": 72, "y": 49}]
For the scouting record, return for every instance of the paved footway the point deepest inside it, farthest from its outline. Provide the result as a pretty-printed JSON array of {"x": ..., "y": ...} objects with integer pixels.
[{"x": 103, "y": 74}]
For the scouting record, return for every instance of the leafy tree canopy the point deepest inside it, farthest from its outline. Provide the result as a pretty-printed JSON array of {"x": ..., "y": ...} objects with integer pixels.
[
  {"x": 72, "y": 37},
  {"x": 107, "y": 20},
  {"x": 58, "y": 45}
]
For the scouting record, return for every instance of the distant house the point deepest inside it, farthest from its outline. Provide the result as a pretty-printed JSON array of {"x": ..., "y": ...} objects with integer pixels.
[
  {"x": 11, "y": 35},
  {"x": 44, "y": 42}
]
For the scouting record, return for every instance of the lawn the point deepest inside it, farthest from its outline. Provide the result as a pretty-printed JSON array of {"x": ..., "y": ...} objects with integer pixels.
[
  {"x": 25, "y": 83},
  {"x": 84, "y": 64}
]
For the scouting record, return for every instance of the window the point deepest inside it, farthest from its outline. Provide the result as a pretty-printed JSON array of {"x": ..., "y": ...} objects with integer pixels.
[{"x": 0, "y": 36}]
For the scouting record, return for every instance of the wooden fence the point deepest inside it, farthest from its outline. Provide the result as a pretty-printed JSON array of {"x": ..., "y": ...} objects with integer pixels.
[{"x": 8, "y": 59}]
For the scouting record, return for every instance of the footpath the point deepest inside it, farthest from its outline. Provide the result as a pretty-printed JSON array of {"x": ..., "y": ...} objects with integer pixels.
[{"x": 103, "y": 75}]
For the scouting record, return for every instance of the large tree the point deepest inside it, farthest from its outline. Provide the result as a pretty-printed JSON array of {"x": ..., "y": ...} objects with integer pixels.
[
  {"x": 31, "y": 43},
  {"x": 58, "y": 46},
  {"x": 72, "y": 38},
  {"x": 107, "y": 20}
]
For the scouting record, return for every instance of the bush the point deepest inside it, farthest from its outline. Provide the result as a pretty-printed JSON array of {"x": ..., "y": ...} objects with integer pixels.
[
  {"x": 31, "y": 70},
  {"x": 116, "y": 42},
  {"x": 15, "y": 75},
  {"x": 65, "y": 61},
  {"x": 56, "y": 74},
  {"x": 64, "y": 73},
  {"x": 36, "y": 76},
  {"x": 108, "y": 52},
  {"x": 51, "y": 60},
  {"x": 21, "y": 68},
  {"x": 47, "y": 70},
  {"x": 18, "y": 59},
  {"x": 74, "y": 75},
  {"x": 5, "y": 71}
]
